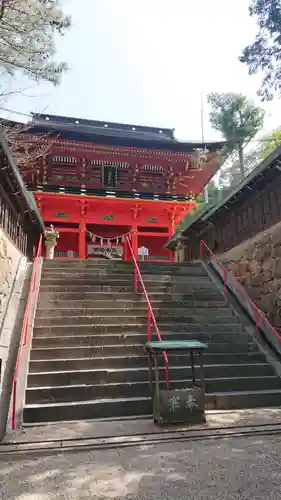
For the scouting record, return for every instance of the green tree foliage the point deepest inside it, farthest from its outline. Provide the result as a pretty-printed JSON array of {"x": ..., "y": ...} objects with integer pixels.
[
  {"x": 264, "y": 54},
  {"x": 27, "y": 38},
  {"x": 231, "y": 175},
  {"x": 237, "y": 119},
  {"x": 215, "y": 194},
  {"x": 271, "y": 142},
  {"x": 227, "y": 180}
]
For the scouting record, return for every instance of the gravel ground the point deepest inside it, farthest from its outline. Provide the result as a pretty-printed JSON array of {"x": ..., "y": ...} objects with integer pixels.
[{"x": 232, "y": 469}]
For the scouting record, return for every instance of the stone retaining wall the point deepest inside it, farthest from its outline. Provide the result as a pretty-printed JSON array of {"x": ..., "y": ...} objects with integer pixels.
[{"x": 257, "y": 265}]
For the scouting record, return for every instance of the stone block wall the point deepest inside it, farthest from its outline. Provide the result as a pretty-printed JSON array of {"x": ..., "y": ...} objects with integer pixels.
[{"x": 257, "y": 265}]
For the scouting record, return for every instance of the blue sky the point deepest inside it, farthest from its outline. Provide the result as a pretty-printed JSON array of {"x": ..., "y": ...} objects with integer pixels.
[{"x": 145, "y": 62}]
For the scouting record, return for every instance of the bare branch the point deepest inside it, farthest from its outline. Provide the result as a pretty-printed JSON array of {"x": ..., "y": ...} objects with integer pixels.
[
  {"x": 27, "y": 150},
  {"x": 2, "y": 9},
  {"x": 10, "y": 93}
]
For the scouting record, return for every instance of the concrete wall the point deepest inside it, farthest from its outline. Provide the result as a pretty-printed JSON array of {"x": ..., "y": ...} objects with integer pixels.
[
  {"x": 12, "y": 303},
  {"x": 9, "y": 261},
  {"x": 257, "y": 265}
]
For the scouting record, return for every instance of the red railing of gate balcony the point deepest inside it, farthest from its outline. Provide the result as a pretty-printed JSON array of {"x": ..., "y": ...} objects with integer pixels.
[
  {"x": 150, "y": 314},
  {"x": 24, "y": 332},
  {"x": 229, "y": 278}
]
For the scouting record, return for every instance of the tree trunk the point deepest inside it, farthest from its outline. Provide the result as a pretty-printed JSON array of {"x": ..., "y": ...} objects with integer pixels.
[{"x": 241, "y": 160}]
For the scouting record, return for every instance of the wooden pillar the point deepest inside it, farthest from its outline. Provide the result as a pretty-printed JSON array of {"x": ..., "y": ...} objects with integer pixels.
[
  {"x": 82, "y": 240},
  {"x": 171, "y": 253},
  {"x": 125, "y": 250},
  {"x": 135, "y": 242}
]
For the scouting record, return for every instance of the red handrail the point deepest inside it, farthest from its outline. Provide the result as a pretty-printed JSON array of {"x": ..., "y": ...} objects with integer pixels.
[
  {"x": 150, "y": 313},
  {"x": 24, "y": 331},
  {"x": 258, "y": 313}
]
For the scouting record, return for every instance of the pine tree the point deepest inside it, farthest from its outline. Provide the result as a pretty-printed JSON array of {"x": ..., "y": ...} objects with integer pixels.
[
  {"x": 237, "y": 119},
  {"x": 27, "y": 38},
  {"x": 264, "y": 53}
]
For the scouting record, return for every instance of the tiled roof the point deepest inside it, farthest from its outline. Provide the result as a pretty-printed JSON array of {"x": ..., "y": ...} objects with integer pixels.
[
  {"x": 115, "y": 133},
  {"x": 108, "y": 129}
]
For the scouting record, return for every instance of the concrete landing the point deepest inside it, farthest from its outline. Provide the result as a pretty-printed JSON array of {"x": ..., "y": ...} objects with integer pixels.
[{"x": 128, "y": 432}]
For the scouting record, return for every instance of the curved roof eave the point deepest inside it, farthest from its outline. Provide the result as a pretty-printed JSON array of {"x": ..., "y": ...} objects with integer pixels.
[
  {"x": 231, "y": 197},
  {"x": 64, "y": 132},
  {"x": 29, "y": 200}
]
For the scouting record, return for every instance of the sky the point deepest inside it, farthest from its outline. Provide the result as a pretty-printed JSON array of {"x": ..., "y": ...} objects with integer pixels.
[{"x": 147, "y": 62}]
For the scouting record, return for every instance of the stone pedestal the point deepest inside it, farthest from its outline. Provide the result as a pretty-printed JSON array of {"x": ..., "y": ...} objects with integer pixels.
[
  {"x": 179, "y": 406},
  {"x": 173, "y": 404}
]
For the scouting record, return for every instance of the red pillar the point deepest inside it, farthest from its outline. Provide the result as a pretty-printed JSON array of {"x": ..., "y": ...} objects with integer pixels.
[{"x": 82, "y": 240}]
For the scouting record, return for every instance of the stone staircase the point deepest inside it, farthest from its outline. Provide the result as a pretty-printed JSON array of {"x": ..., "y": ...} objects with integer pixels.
[{"x": 87, "y": 358}]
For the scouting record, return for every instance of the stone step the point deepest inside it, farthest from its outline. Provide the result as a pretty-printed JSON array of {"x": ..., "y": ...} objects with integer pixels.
[
  {"x": 78, "y": 282},
  {"x": 87, "y": 350},
  {"x": 129, "y": 318},
  {"x": 120, "y": 275},
  {"x": 123, "y": 407},
  {"x": 140, "y": 374},
  {"x": 198, "y": 271},
  {"x": 173, "y": 265},
  {"x": 84, "y": 263},
  {"x": 243, "y": 399},
  {"x": 210, "y": 296},
  {"x": 116, "y": 287},
  {"x": 135, "y": 303},
  {"x": 88, "y": 359},
  {"x": 73, "y": 360},
  {"x": 42, "y": 395},
  {"x": 136, "y": 339},
  {"x": 109, "y": 264},
  {"x": 105, "y": 342},
  {"x": 125, "y": 280},
  {"x": 135, "y": 312},
  {"x": 117, "y": 328},
  {"x": 87, "y": 273},
  {"x": 105, "y": 272},
  {"x": 54, "y": 412},
  {"x": 126, "y": 267}
]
